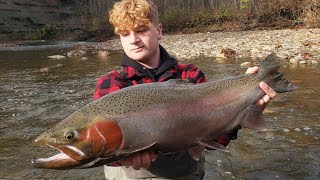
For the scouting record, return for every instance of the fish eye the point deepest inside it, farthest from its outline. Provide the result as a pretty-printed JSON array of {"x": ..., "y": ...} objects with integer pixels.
[{"x": 69, "y": 135}]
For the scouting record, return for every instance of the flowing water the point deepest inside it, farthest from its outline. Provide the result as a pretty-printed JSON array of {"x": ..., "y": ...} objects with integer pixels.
[{"x": 33, "y": 99}]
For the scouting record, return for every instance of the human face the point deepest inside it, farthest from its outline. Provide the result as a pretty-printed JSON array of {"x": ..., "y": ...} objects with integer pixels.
[{"x": 142, "y": 44}]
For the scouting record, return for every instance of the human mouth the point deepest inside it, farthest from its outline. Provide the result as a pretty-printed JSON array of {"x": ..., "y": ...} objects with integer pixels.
[{"x": 138, "y": 49}]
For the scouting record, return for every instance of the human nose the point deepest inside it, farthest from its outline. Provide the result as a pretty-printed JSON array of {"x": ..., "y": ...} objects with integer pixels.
[{"x": 134, "y": 38}]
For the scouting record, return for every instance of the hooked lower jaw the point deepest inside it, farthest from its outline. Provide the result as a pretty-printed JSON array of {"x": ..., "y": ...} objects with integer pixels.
[
  {"x": 69, "y": 157},
  {"x": 59, "y": 161}
]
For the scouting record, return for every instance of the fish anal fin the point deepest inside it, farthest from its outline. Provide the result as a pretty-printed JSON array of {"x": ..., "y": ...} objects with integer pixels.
[
  {"x": 254, "y": 119},
  {"x": 213, "y": 145}
]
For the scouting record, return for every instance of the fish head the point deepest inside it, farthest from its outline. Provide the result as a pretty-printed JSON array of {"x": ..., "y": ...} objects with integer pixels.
[{"x": 82, "y": 139}]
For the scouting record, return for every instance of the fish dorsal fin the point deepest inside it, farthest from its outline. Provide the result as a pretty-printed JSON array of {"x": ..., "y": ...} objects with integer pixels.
[
  {"x": 213, "y": 145},
  {"x": 254, "y": 119}
]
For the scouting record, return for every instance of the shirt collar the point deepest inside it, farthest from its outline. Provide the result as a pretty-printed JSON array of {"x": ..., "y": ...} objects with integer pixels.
[{"x": 166, "y": 62}]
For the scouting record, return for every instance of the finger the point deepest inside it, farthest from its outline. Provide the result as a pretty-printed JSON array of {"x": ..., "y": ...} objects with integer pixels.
[
  {"x": 262, "y": 103},
  {"x": 196, "y": 152},
  {"x": 267, "y": 89},
  {"x": 252, "y": 70},
  {"x": 126, "y": 161},
  {"x": 145, "y": 159},
  {"x": 265, "y": 98},
  {"x": 153, "y": 156},
  {"x": 136, "y": 161},
  {"x": 199, "y": 150}
]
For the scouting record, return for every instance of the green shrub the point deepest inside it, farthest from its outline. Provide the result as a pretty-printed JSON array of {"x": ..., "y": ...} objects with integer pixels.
[
  {"x": 175, "y": 19},
  {"x": 44, "y": 32}
]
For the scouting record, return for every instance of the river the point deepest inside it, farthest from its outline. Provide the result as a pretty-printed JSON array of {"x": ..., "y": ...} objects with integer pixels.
[{"x": 32, "y": 101}]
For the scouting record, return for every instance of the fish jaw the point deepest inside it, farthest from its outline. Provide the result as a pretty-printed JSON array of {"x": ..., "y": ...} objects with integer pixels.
[
  {"x": 99, "y": 139},
  {"x": 59, "y": 161},
  {"x": 69, "y": 157}
]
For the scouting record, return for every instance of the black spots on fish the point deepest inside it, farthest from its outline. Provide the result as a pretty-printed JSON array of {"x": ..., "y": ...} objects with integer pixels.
[
  {"x": 91, "y": 107},
  {"x": 71, "y": 121},
  {"x": 94, "y": 110},
  {"x": 225, "y": 83}
]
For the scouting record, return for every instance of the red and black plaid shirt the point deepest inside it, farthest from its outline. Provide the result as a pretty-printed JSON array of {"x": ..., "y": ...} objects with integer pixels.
[{"x": 134, "y": 73}]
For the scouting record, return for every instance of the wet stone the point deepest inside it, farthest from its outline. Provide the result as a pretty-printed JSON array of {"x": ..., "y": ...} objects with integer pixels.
[
  {"x": 297, "y": 129},
  {"x": 57, "y": 57},
  {"x": 286, "y": 130}
]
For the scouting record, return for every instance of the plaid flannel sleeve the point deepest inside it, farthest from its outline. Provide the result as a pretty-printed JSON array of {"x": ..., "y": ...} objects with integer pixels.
[
  {"x": 193, "y": 73},
  {"x": 109, "y": 83}
]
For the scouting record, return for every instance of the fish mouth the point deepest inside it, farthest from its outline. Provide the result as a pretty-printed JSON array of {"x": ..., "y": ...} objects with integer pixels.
[
  {"x": 59, "y": 161},
  {"x": 62, "y": 161},
  {"x": 68, "y": 158}
]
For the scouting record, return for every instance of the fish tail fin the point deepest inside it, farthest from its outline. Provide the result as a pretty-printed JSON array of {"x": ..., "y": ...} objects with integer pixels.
[{"x": 269, "y": 73}]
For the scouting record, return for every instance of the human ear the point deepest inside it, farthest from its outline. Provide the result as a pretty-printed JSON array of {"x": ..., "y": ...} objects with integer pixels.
[{"x": 159, "y": 29}]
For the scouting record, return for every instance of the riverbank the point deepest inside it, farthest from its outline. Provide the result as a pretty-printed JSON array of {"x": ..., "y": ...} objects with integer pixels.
[{"x": 295, "y": 45}]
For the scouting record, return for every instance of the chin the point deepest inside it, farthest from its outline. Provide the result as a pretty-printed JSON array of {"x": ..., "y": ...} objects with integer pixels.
[{"x": 138, "y": 57}]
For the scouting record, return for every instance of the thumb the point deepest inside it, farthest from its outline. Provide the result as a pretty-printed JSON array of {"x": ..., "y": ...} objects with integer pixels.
[{"x": 196, "y": 152}]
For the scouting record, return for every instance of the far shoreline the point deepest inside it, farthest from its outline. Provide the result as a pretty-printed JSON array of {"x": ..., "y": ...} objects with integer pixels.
[{"x": 295, "y": 45}]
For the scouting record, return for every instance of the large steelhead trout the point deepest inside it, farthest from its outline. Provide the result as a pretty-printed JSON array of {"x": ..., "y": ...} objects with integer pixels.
[{"x": 164, "y": 117}]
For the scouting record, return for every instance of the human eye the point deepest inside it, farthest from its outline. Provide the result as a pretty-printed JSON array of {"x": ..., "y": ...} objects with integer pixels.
[
  {"x": 142, "y": 30},
  {"x": 124, "y": 33}
]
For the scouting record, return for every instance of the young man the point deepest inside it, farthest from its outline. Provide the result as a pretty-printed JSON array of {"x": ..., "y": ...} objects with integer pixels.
[{"x": 145, "y": 61}]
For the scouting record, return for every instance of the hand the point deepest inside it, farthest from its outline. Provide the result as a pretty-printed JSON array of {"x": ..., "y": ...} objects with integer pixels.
[
  {"x": 270, "y": 93},
  {"x": 139, "y": 160},
  {"x": 196, "y": 152}
]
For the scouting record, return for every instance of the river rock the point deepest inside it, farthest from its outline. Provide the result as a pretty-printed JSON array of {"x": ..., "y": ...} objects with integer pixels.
[
  {"x": 293, "y": 61},
  {"x": 76, "y": 53},
  {"x": 255, "y": 52},
  {"x": 282, "y": 56},
  {"x": 307, "y": 56},
  {"x": 57, "y": 57},
  {"x": 226, "y": 53},
  {"x": 58, "y": 65},
  {"x": 245, "y": 64},
  {"x": 44, "y": 69},
  {"x": 103, "y": 53},
  {"x": 220, "y": 54},
  {"x": 303, "y": 62}
]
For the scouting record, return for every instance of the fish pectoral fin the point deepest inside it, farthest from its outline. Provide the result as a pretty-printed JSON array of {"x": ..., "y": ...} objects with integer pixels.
[
  {"x": 254, "y": 119},
  {"x": 131, "y": 150},
  {"x": 213, "y": 145}
]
